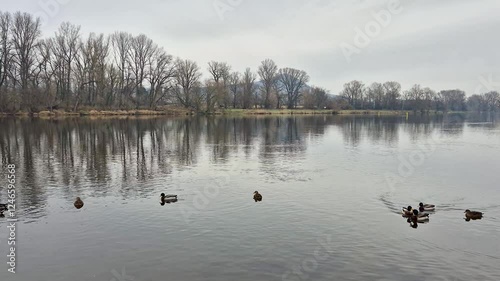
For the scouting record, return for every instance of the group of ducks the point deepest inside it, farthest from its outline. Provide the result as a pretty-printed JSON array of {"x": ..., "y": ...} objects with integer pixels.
[
  {"x": 422, "y": 214},
  {"x": 414, "y": 216},
  {"x": 418, "y": 216},
  {"x": 164, "y": 199},
  {"x": 171, "y": 198}
]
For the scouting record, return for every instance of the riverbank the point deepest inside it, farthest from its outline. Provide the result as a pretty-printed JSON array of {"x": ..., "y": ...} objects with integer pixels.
[
  {"x": 173, "y": 111},
  {"x": 93, "y": 112},
  {"x": 313, "y": 112}
]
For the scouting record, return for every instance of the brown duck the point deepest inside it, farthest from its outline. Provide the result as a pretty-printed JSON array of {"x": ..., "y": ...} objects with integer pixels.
[
  {"x": 473, "y": 215},
  {"x": 257, "y": 196},
  {"x": 3, "y": 207},
  {"x": 78, "y": 203}
]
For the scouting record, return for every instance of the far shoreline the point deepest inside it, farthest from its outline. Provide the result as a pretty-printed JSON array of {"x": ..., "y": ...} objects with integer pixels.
[{"x": 179, "y": 112}]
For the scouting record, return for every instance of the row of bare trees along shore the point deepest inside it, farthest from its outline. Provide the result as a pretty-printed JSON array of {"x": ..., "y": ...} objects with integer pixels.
[{"x": 125, "y": 71}]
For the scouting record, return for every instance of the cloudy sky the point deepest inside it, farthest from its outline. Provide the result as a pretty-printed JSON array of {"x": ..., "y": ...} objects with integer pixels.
[{"x": 441, "y": 44}]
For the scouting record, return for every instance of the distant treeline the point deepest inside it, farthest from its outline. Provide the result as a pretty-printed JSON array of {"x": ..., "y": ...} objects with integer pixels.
[
  {"x": 390, "y": 96},
  {"x": 123, "y": 71}
]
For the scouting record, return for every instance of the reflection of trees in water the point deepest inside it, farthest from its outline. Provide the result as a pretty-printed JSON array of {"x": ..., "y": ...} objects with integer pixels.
[
  {"x": 451, "y": 124},
  {"x": 221, "y": 137},
  {"x": 283, "y": 142},
  {"x": 351, "y": 130},
  {"x": 282, "y": 136},
  {"x": 484, "y": 117},
  {"x": 420, "y": 127},
  {"x": 274, "y": 135},
  {"x": 187, "y": 136},
  {"x": 383, "y": 130},
  {"x": 374, "y": 128},
  {"x": 77, "y": 153},
  {"x": 21, "y": 145},
  {"x": 226, "y": 136},
  {"x": 484, "y": 120},
  {"x": 245, "y": 133},
  {"x": 88, "y": 155}
]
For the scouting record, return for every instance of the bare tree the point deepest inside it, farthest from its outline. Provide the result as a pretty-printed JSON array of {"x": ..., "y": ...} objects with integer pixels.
[
  {"x": 485, "y": 102},
  {"x": 122, "y": 42},
  {"x": 140, "y": 55},
  {"x": 5, "y": 47},
  {"x": 492, "y": 101},
  {"x": 220, "y": 72},
  {"x": 315, "y": 98},
  {"x": 187, "y": 75},
  {"x": 234, "y": 87},
  {"x": 91, "y": 71},
  {"x": 353, "y": 92},
  {"x": 375, "y": 95},
  {"x": 429, "y": 97},
  {"x": 25, "y": 33},
  {"x": 210, "y": 93},
  {"x": 392, "y": 92},
  {"x": 268, "y": 73},
  {"x": 476, "y": 103},
  {"x": 112, "y": 85},
  {"x": 321, "y": 96},
  {"x": 248, "y": 84},
  {"x": 161, "y": 76},
  {"x": 66, "y": 47},
  {"x": 43, "y": 76},
  {"x": 415, "y": 97},
  {"x": 293, "y": 80},
  {"x": 452, "y": 100},
  {"x": 280, "y": 95}
]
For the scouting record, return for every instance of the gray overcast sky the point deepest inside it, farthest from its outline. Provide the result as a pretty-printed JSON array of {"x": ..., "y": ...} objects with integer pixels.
[{"x": 439, "y": 44}]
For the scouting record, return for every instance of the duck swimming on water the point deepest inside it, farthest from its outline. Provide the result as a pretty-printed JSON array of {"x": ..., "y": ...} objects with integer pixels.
[
  {"x": 417, "y": 217},
  {"x": 408, "y": 211},
  {"x": 78, "y": 203},
  {"x": 473, "y": 215},
  {"x": 426, "y": 207},
  {"x": 3, "y": 207},
  {"x": 169, "y": 196},
  {"x": 257, "y": 196},
  {"x": 167, "y": 199}
]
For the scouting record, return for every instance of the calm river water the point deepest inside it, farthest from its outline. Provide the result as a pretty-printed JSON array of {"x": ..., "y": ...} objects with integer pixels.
[{"x": 332, "y": 188}]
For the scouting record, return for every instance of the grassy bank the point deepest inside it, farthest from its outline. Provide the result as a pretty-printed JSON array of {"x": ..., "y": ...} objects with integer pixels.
[
  {"x": 93, "y": 112},
  {"x": 172, "y": 111},
  {"x": 311, "y": 112}
]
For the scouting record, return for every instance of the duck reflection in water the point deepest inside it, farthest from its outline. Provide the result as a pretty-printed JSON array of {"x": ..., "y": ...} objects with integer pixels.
[
  {"x": 413, "y": 223},
  {"x": 167, "y": 199}
]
